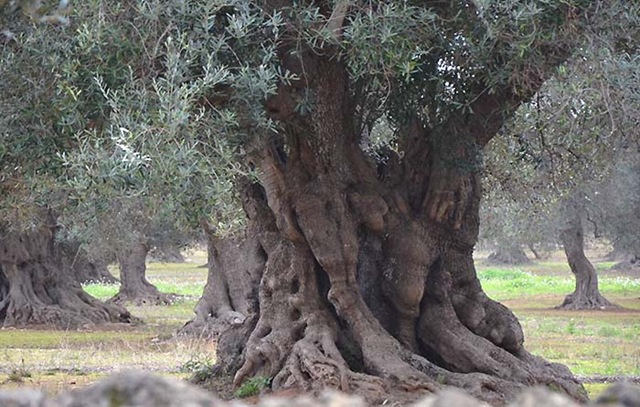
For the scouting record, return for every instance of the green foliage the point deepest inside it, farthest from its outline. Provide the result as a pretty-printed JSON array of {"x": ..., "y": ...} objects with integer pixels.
[
  {"x": 571, "y": 137},
  {"x": 138, "y": 117},
  {"x": 253, "y": 386},
  {"x": 201, "y": 368}
]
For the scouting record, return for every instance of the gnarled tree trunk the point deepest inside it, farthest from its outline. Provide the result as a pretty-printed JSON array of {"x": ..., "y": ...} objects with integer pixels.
[
  {"x": 367, "y": 281},
  {"x": 36, "y": 290},
  {"x": 134, "y": 287},
  {"x": 230, "y": 296},
  {"x": 73, "y": 257},
  {"x": 166, "y": 254},
  {"x": 508, "y": 255},
  {"x": 586, "y": 295}
]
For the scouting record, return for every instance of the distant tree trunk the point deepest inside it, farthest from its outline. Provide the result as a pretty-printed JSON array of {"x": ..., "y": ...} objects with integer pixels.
[
  {"x": 626, "y": 260},
  {"x": 73, "y": 257},
  {"x": 35, "y": 290},
  {"x": 536, "y": 252},
  {"x": 167, "y": 254},
  {"x": 134, "y": 287},
  {"x": 586, "y": 294},
  {"x": 508, "y": 255},
  {"x": 235, "y": 266}
]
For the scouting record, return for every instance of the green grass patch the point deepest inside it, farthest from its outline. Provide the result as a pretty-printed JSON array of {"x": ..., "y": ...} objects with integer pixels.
[
  {"x": 185, "y": 279},
  {"x": 253, "y": 386},
  {"x": 37, "y": 339},
  {"x": 591, "y": 343},
  {"x": 504, "y": 284}
]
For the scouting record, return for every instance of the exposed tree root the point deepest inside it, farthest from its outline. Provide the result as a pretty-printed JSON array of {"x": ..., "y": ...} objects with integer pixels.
[
  {"x": 39, "y": 294},
  {"x": 150, "y": 296},
  {"x": 596, "y": 301}
]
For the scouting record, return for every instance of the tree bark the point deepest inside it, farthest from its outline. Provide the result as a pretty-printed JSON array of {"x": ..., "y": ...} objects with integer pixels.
[
  {"x": 509, "y": 255},
  {"x": 85, "y": 271},
  {"x": 586, "y": 294},
  {"x": 365, "y": 278},
  {"x": 134, "y": 287},
  {"x": 35, "y": 289},
  {"x": 230, "y": 295}
]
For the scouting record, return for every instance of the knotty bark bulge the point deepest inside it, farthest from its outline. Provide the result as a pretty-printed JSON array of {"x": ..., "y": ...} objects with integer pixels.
[{"x": 36, "y": 288}]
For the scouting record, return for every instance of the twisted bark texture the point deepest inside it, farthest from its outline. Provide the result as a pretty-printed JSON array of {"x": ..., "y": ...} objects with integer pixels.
[
  {"x": 134, "y": 286},
  {"x": 363, "y": 270},
  {"x": 586, "y": 295},
  {"x": 37, "y": 289}
]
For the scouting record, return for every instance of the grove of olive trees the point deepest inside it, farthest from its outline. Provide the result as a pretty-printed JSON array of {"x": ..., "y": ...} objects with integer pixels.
[{"x": 334, "y": 261}]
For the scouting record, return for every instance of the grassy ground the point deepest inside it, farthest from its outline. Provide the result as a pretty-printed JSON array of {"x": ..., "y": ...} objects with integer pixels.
[{"x": 596, "y": 345}]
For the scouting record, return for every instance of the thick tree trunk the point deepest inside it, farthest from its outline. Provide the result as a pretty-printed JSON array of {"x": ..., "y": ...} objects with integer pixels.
[
  {"x": 365, "y": 278},
  {"x": 586, "y": 294},
  {"x": 230, "y": 296},
  {"x": 134, "y": 287},
  {"x": 85, "y": 271},
  {"x": 167, "y": 254},
  {"x": 627, "y": 261},
  {"x": 35, "y": 290},
  {"x": 509, "y": 255}
]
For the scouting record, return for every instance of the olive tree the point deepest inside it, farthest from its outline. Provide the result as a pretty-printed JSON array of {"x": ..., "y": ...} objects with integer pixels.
[
  {"x": 353, "y": 267},
  {"x": 554, "y": 178}
]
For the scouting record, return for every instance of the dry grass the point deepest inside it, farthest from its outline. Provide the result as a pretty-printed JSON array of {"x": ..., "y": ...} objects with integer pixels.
[{"x": 591, "y": 343}]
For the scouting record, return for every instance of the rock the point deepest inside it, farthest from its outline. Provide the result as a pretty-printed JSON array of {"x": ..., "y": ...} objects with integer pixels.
[
  {"x": 24, "y": 398},
  {"x": 541, "y": 396},
  {"x": 325, "y": 399},
  {"x": 622, "y": 394},
  {"x": 449, "y": 397},
  {"x": 137, "y": 389}
]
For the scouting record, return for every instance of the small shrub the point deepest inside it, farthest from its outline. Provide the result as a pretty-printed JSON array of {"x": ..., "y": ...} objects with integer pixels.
[
  {"x": 202, "y": 368},
  {"x": 253, "y": 386},
  {"x": 18, "y": 374},
  {"x": 195, "y": 364}
]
